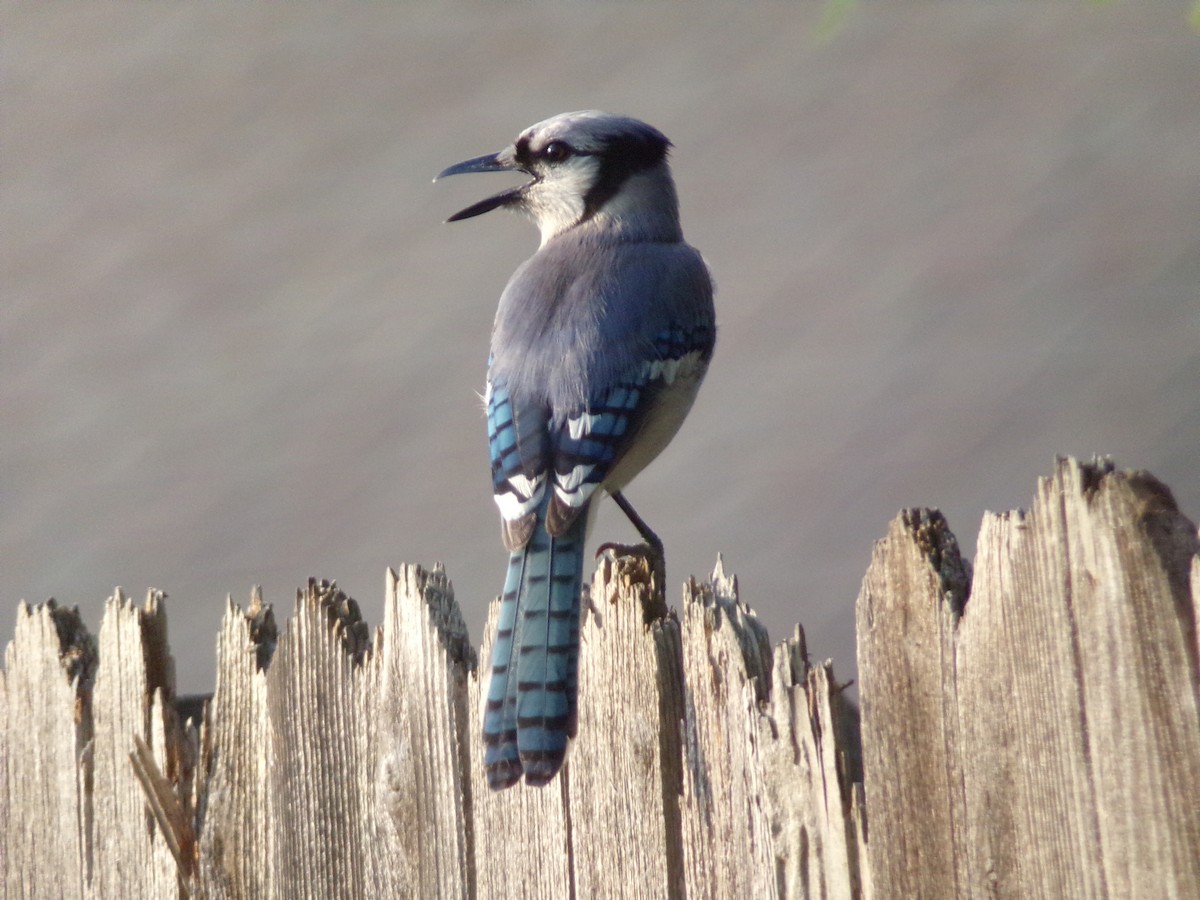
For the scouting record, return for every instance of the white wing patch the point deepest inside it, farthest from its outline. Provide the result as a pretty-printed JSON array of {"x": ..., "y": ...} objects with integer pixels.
[
  {"x": 523, "y": 498},
  {"x": 578, "y": 497},
  {"x": 530, "y": 487},
  {"x": 574, "y": 479},
  {"x": 670, "y": 369},
  {"x": 572, "y": 489},
  {"x": 582, "y": 423},
  {"x": 513, "y": 507}
]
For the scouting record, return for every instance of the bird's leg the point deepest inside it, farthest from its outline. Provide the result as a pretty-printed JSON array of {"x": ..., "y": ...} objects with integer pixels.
[
  {"x": 657, "y": 557},
  {"x": 652, "y": 539}
]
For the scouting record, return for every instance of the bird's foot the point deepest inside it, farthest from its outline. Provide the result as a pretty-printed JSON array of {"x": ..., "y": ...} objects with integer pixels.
[
  {"x": 652, "y": 540},
  {"x": 615, "y": 549},
  {"x": 651, "y": 552},
  {"x": 653, "y": 570}
]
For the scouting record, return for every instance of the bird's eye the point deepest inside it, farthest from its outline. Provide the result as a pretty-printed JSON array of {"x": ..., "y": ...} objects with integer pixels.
[{"x": 556, "y": 151}]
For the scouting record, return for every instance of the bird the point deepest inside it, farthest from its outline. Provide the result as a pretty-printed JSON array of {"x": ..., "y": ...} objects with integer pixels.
[{"x": 599, "y": 344}]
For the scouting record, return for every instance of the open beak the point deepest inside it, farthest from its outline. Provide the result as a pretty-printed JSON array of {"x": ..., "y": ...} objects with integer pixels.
[{"x": 504, "y": 161}]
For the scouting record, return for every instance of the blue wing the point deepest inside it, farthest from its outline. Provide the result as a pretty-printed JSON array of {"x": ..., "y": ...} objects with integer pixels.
[
  {"x": 591, "y": 441},
  {"x": 519, "y": 447}
]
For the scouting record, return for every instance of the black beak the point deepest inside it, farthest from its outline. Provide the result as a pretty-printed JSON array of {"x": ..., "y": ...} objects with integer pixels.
[{"x": 492, "y": 162}]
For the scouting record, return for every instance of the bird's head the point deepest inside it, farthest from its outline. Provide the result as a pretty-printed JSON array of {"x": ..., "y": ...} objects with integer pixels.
[{"x": 586, "y": 167}]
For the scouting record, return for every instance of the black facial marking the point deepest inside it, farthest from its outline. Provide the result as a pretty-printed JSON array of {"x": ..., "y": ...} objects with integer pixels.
[
  {"x": 624, "y": 155},
  {"x": 523, "y": 154}
]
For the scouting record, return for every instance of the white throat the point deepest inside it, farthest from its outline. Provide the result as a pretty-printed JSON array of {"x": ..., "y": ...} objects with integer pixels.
[{"x": 644, "y": 208}]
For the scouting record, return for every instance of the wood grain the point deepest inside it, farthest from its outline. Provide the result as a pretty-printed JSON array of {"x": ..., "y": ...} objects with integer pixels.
[
  {"x": 1041, "y": 739},
  {"x": 1031, "y": 731}
]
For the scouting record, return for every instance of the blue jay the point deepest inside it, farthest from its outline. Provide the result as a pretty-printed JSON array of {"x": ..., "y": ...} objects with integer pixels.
[{"x": 600, "y": 342}]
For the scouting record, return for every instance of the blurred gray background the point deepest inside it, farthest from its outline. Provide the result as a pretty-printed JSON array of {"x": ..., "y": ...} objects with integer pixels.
[{"x": 952, "y": 240}]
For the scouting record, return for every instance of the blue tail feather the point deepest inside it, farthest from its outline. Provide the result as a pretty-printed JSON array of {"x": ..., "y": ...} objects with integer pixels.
[{"x": 531, "y": 700}]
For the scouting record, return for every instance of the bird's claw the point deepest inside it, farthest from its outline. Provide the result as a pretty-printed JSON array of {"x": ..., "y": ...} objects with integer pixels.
[{"x": 655, "y": 566}]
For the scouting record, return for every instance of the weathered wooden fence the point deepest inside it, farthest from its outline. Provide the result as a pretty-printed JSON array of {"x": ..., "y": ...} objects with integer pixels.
[{"x": 1039, "y": 739}]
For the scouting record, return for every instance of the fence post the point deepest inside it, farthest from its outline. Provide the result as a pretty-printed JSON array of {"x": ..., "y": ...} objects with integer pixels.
[
  {"x": 1031, "y": 731},
  {"x": 1041, "y": 738}
]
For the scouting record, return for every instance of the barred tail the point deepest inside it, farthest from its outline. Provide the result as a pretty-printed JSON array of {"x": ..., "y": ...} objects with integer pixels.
[{"x": 531, "y": 700}]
